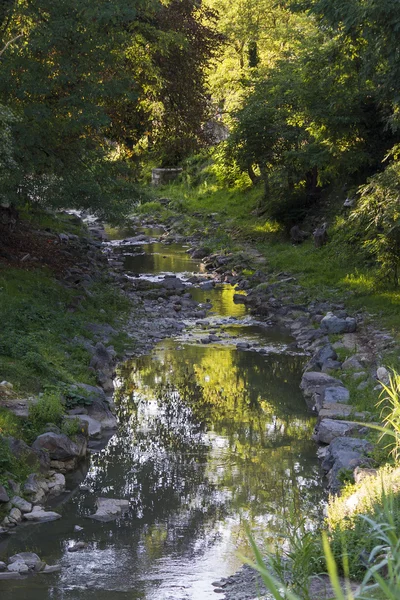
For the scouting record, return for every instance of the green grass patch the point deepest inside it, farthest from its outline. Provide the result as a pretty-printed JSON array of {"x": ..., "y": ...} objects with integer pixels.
[{"x": 36, "y": 347}]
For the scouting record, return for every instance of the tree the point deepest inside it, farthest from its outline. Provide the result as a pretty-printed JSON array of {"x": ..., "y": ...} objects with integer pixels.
[{"x": 87, "y": 82}]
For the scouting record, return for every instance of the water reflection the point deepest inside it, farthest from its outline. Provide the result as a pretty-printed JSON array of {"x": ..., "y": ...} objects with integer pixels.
[
  {"x": 210, "y": 438},
  {"x": 156, "y": 257}
]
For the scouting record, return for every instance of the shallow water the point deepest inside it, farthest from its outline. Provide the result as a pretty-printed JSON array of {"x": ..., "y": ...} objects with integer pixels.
[{"x": 211, "y": 438}]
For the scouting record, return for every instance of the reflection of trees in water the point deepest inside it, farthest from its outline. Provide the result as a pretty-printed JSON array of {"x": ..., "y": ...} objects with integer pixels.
[{"x": 248, "y": 403}]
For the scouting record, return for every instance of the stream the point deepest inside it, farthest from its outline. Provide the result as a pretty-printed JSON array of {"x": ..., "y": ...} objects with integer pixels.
[{"x": 212, "y": 437}]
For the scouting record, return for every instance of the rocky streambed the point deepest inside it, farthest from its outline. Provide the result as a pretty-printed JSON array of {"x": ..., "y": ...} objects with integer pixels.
[{"x": 213, "y": 428}]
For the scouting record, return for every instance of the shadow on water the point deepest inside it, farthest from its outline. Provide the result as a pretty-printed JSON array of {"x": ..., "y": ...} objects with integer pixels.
[{"x": 210, "y": 439}]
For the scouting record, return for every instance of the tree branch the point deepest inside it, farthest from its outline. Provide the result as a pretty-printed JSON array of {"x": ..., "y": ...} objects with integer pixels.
[{"x": 10, "y": 42}]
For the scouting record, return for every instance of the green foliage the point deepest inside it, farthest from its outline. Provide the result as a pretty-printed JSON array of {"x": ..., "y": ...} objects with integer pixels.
[
  {"x": 36, "y": 347},
  {"x": 48, "y": 409},
  {"x": 380, "y": 566},
  {"x": 377, "y": 219},
  {"x": 390, "y": 414},
  {"x": 350, "y": 532},
  {"x": 90, "y": 87},
  {"x": 71, "y": 427}
]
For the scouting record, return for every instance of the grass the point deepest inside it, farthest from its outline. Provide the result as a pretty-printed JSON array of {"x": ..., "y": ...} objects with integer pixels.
[{"x": 36, "y": 347}]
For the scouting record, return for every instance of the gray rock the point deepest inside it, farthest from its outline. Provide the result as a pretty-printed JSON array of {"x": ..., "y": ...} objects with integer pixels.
[
  {"x": 382, "y": 374},
  {"x": 363, "y": 385},
  {"x": 335, "y": 411},
  {"x": 30, "y": 456},
  {"x": 324, "y": 354},
  {"x": 333, "y": 395},
  {"x": 329, "y": 429},
  {"x": 3, "y": 494},
  {"x": 78, "y": 546},
  {"x": 18, "y": 567},
  {"x": 64, "y": 453},
  {"x": 109, "y": 509},
  {"x": 332, "y": 324},
  {"x": 207, "y": 285},
  {"x": 15, "y": 515},
  {"x": 3, "y": 566},
  {"x": 352, "y": 363},
  {"x": 331, "y": 365},
  {"x": 93, "y": 426},
  {"x": 51, "y": 569},
  {"x": 29, "y": 558},
  {"x": 56, "y": 484},
  {"x": 77, "y": 528},
  {"x": 40, "y": 515},
  {"x": 35, "y": 488},
  {"x": 314, "y": 383},
  {"x": 345, "y": 453},
  {"x": 9, "y": 575},
  {"x": 23, "y": 505}
]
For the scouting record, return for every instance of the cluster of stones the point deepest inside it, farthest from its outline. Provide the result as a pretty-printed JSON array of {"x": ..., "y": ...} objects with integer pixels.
[{"x": 25, "y": 563}]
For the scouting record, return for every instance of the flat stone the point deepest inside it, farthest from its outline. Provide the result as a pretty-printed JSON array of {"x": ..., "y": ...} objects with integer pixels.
[
  {"x": 329, "y": 429},
  {"x": 42, "y": 515},
  {"x": 51, "y": 569},
  {"x": 23, "y": 505},
  {"x": 10, "y": 575},
  {"x": 335, "y": 411},
  {"x": 109, "y": 509}
]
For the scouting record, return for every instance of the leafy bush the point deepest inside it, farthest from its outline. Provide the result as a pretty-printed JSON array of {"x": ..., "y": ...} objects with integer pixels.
[
  {"x": 71, "y": 427},
  {"x": 48, "y": 409},
  {"x": 377, "y": 218}
]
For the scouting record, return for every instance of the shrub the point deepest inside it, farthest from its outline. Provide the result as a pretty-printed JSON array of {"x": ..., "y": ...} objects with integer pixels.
[
  {"x": 47, "y": 410},
  {"x": 377, "y": 218}
]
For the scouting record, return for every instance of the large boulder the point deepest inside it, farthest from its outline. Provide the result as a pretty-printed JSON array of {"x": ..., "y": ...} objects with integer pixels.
[
  {"x": 56, "y": 484},
  {"x": 29, "y": 558},
  {"x": 109, "y": 509},
  {"x": 99, "y": 409},
  {"x": 332, "y": 324},
  {"x": 23, "y": 505},
  {"x": 35, "y": 488},
  {"x": 314, "y": 383},
  {"x": 345, "y": 453},
  {"x": 64, "y": 453},
  {"x": 33, "y": 457},
  {"x": 92, "y": 426},
  {"x": 324, "y": 354}
]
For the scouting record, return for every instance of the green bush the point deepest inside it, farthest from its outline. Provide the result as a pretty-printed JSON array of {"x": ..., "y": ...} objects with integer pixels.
[
  {"x": 377, "y": 219},
  {"x": 48, "y": 409},
  {"x": 71, "y": 427}
]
